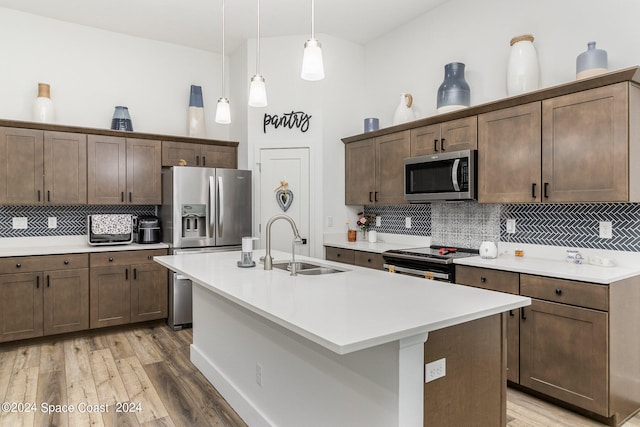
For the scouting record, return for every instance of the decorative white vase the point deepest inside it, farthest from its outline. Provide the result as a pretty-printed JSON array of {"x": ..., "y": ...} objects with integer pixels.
[
  {"x": 43, "y": 110},
  {"x": 373, "y": 236},
  {"x": 404, "y": 113},
  {"x": 523, "y": 70}
]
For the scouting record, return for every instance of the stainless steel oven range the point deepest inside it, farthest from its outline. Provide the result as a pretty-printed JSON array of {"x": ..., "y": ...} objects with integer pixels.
[{"x": 434, "y": 262}]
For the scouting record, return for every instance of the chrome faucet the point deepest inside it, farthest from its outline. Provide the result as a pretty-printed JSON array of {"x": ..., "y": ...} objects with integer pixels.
[{"x": 268, "y": 261}]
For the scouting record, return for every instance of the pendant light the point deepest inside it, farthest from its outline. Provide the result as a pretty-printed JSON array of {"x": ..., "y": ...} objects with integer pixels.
[
  {"x": 257, "y": 90},
  {"x": 312, "y": 65},
  {"x": 223, "y": 110}
]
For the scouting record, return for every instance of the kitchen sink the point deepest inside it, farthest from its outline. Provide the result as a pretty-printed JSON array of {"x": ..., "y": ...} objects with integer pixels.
[{"x": 307, "y": 268}]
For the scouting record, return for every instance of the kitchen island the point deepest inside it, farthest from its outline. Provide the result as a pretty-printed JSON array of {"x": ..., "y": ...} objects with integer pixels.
[{"x": 342, "y": 349}]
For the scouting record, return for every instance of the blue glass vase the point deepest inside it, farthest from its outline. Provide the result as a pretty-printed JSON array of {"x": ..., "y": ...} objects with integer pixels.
[
  {"x": 454, "y": 92},
  {"x": 121, "y": 119}
]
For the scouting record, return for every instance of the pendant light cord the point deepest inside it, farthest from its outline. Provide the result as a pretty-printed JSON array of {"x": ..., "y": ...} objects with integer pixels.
[
  {"x": 313, "y": 20},
  {"x": 258, "y": 49},
  {"x": 223, "y": 31}
]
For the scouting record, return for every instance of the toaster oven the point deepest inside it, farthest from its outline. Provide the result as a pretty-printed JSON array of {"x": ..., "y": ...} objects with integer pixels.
[{"x": 109, "y": 229}]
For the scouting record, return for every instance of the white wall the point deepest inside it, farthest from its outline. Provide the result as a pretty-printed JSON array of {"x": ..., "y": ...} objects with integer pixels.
[
  {"x": 412, "y": 58},
  {"x": 91, "y": 71}
]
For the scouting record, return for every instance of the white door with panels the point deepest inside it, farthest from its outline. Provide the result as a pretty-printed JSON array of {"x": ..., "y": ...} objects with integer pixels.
[{"x": 284, "y": 189}]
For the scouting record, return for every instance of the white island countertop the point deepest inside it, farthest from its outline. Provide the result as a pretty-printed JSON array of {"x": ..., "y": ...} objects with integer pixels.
[{"x": 343, "y": 312}]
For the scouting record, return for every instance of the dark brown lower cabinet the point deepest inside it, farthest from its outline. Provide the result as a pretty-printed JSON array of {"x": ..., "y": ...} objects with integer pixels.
[
  {"x": 66, "y": 301},
  {"x": 20, "y": 306},
  {"x": 127, "y": 287},
  {"x": 149, "y": 292},
  {"x": 352, "y": 256},
  {"x": 563, "y": 354}
]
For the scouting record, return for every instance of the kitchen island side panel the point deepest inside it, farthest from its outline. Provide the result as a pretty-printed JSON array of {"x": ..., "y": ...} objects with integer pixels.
[{"x": 302, "y": 382}]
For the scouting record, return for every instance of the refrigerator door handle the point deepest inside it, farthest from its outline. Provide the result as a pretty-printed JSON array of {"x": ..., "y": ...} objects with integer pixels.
[
  {"x": 220, "y": 210},
  {"x": 212, "y": 206}
]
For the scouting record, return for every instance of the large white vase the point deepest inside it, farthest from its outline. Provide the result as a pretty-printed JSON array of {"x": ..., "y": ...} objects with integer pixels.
[{"x": 523, "y": 70}]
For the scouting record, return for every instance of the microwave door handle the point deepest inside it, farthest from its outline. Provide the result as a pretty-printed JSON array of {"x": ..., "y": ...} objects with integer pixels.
[
  {"x": 220, "y": 210},
  {"x": 454, "y": 174}
]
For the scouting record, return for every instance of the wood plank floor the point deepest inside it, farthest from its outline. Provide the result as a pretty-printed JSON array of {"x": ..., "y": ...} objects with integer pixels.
[{"x": 146, "y": 369}]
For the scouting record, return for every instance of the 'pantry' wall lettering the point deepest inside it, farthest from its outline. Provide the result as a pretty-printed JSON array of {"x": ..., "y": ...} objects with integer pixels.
[{"x": 294, "y": 119}]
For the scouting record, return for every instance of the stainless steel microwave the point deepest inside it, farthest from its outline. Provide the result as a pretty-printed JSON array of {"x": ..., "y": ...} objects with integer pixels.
[{"x": 442, "y": 176}]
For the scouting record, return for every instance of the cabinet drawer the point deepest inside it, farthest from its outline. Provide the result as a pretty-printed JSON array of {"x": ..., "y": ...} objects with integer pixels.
[
  {"x": 565, "y": 291},
  {"x": 103, "y": 259},
  {"x": 369, "y": 259},
  {"x": 346, "y": 256},
  {"x": 42, "y": 263},
  {"x": 494, "y": 280}
]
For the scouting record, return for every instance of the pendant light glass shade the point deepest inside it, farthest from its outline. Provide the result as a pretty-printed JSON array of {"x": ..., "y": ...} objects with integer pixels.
[
  {"x": 312, "y": 64},
  {"x": 257, "y": 92},
  {"x": 223, "y": 111}
]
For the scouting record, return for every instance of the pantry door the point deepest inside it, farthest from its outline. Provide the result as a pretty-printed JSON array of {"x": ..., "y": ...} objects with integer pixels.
[{"x": 284, "y": 166}]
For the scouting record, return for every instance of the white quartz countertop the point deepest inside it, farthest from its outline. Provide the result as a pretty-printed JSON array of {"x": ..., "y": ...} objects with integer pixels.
[
  {"x": 385, "y": 242},
  {"x": 20, "y": 246},
  {"x": 560, "y": 269},
  {"x": 347, "y": 311}
]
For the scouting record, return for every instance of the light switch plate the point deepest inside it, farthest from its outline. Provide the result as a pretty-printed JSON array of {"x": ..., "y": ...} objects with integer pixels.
[
  {"x": 378, "y": 221},
  {"x": 20, "y": 222},
  {"x": 407, "y": 222},
  {"x": 52, "y": 222}
]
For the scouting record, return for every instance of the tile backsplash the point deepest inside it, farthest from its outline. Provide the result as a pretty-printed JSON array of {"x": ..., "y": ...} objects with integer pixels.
[
  {"x": 467, "y": 224},
  {"x": 71, "y": 220}
]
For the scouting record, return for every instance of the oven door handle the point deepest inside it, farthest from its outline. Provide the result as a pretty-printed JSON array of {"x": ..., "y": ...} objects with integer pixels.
[
  {"x": 454, "y": 174},
  {"x": 414, "y": 272}
]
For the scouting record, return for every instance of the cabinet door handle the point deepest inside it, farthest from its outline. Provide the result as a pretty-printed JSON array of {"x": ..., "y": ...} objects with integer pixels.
[
  {"x": 122, "y": 196},
  {"x": 546, "y": 190},
  {"x": 38, "y": 282},
  {"x": 511, "y": 313},
  {"x": 66, "y": 262},
  {"x": 38, "y": 195},
  {"x": 338, "y": 255},
  {"x": 375, "y": 197},
  {"x": 48, "y": 282},
  {"x": 442, "y": 144},
  {"x": 126, "y": 274},
  {"x": 204, "y": 161},
  {"x": 483, "y": 280},
  {"x": 369, "y": 260},
  {"x": 110, "y": 259},
  {"x": 533, "y": 190},
  {"x": 371, "y": 196},
  {"x": 435, "y": 145},
  {"x": 18, "y": 265},
  {"x": 130, "y": 197},
  {"x": 135, "y": 273},
  {"x": 149, "y": 257},
  {"x": 197, "y": 160},
  {"x": 558, "y": 291},
  {"x": 522, "y": 314},
  {"x": 48, "y": 196}
]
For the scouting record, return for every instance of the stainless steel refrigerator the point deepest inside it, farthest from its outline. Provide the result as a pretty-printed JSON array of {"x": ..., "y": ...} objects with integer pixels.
[{"x": 203, "y": 210}]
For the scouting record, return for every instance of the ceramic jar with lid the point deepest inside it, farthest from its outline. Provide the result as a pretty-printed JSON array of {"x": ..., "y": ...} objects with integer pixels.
[{"x": 523, "y": 70}]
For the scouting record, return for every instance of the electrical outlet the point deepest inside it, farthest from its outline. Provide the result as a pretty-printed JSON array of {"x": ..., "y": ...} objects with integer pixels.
[
  {"x": 434, "y": 370},
  {"x": 407, "y": 222},
  {"x": 511, "y": 226},
  {"x": 259, "y": 374},
  {"x": 52, "y": 222},
  {"x": 606, "y": 230},
  {"x": 19, "y": 222},
  {"x": 378, "y": 221}
]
